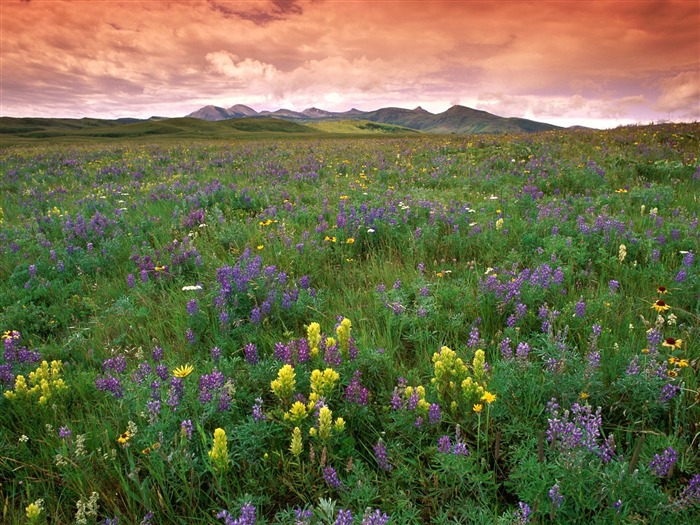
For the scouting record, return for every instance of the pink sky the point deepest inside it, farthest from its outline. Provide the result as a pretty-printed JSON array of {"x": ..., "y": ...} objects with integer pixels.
[{"x": 596, "y": 63}]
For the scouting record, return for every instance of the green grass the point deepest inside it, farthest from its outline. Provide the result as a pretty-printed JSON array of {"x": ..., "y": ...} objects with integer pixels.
[{"x": 186, "y": 236}]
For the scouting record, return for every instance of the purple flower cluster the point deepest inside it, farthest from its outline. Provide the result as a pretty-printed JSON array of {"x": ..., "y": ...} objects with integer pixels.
[
  {"x": 578, "y": 428},
  {"x": 355, "y": 392},
  {"x": 380, "y": 454},
  {"x": 662, "y": 464},
  {"x": 247, "y": 517},
  {"x": 293, "y": 352},
  {"x": 507, "y": 285},
  {"x": 330, "y": 476},
  {"x": 445, "y": 446}
]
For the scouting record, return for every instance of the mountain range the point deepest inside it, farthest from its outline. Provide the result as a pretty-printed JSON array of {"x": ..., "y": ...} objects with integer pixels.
[{"x": 457, "y": 119}]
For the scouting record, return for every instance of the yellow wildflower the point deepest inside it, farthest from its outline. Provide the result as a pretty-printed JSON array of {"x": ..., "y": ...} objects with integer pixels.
[
  {"x": 124, "y": 438},
  {"x": 322, "y": 383},
  {"x": 488, "y": 397},
  {"x": 283, "y": 387},
  {"x": 296, "y": 447},
  {"x": 343, "y": 332},
  {"x": 660, "y": 306},
  {"x": 219, "y": 451},
  {"x": 313, "y": 336},
  {"x": 325, "y": 420},
  {"x": 33, "y": 510},
  {"x": 478, "y": 408},
  {"x": 297, "y": 413},
  {"x": 183, "y": 371},
  {"x": 670, "y": 342},
  {"x": 350, "y": 240}
]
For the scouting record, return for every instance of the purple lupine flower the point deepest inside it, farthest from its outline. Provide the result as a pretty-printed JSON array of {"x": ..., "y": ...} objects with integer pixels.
[
  {"x": 523, "y": 514},
  {"x": 157, "y": 354},
  {"x": 247, "y": 516},
  {"x": 130, "y": 280},
  {"x": 473, "y": 338},
  {"x": 691, "y": 493},
  {"x": 580, "y": 308},
  {"x": 662, "y": 465},
  {"x": 111, "y": 384},
  {"x": 255, "y": 315},
  {"x": 381, "y": 456},
  {"x": 186, "y": 428},
  {"x": 192, "y": 307},
  {"x": 375, "y": 518},
  {"x": 258, "y": 414},
  {"x": 397, "y": 284},
  {"x": 688, "y": 259},
  {"x": 147, "y": 519},
  {"x": 460, "y": 449},
  {"x": 153, "y": 409},
  {"x": 555, "y": 496},
  {"x": 64, "y": 432},
  {"x": 613, "y": 285},
  {"x": 162, "y": 372},
  {"x": 177, "y": 387},
  {"x": 381, "y": 288},
  {"x": 506, "y": 350},
  {"x": 303, "y": 517},
  {"x": 522, "y": 351},
  {"x": 215, "y": 354},
  {"x": 617, "y": 506},
  {"x": 344, "y": 518},
  {"x": 434, "y": 414},
  {"x": 681, "y": 276},
  {"x": 654, "y": 338},
  {"x": 330, "y": 476},
  {"x": 251, "y": 353},
  {"x": 355, "y": 391},
  {"x": 668, "y": 392},
  {"x": 633, "y": 367},
  {"x": 593, "y": 360},
  {"x": 444, "y": 444}
]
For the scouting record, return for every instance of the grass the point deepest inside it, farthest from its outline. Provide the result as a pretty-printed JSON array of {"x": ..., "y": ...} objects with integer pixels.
[{"x": 505, "y": 358}]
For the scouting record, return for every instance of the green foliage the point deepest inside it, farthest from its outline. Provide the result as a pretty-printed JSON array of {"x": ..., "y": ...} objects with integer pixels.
[{"x": 175, "y": 279}]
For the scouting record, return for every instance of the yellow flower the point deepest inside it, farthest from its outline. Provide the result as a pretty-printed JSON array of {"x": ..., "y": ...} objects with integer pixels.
[
  {"x": 297, "y": 413},
  {"x": 183, "y": 371},
  {"x": 670, "y": 342},
  {"x": 499, "y": 224},
  {"x": 682, "y": 363},
  {"x": 261, "y": 246},
  {"x": 124, "y": 438},
  {"x": 350, "y": 240},
  {"x": 284, "y": 385},
  {"x": 325, "y": 419},
  {"x": 219, "y": 451},
  {"x": 488, "y": 397},
  {"x": 621, "y": 190},
  {"x": 584, "y": 395},
  {"x": 296, "y": 447},
  {"x": 661, "y": 289},
  {"x": 159, "y": 268},
  {"x": 660, "y": 306},
  {"x": 33, "y": 510},
  {"x": 330, "y": 239},
  {"x": 478, "y": 408}
]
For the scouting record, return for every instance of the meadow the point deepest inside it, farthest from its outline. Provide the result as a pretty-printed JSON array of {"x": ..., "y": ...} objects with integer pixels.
[{"x": 369, "y": 330}]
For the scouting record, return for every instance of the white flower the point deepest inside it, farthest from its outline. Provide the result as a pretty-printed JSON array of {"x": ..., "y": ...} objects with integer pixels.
[
  {"x": 191, "y": 288},
  {"x": 370, "y": 230}
]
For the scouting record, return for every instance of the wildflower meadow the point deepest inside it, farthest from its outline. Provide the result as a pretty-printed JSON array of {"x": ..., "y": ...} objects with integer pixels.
[{"x": 490, "y": 329}]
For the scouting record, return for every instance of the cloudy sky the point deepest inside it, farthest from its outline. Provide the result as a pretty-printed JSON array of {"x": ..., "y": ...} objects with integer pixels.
[{"x": 598, "y": 63}]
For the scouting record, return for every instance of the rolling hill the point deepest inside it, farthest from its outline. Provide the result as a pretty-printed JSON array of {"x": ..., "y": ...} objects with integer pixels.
[{"x": 457, "y": 119}]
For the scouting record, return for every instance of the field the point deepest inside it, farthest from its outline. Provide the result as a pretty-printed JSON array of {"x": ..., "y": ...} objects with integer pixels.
[{"x": 370, "y": 329}]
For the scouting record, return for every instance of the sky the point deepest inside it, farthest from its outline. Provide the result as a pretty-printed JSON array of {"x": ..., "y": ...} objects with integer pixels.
[{"x": 566, "y": 62}]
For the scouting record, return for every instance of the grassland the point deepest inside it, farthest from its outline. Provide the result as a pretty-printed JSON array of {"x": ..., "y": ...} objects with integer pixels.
[{"x": 239, "y": 323}]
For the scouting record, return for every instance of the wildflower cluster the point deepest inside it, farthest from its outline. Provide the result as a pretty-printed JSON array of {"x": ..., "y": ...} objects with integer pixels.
[{"x": 44, "y": 382}]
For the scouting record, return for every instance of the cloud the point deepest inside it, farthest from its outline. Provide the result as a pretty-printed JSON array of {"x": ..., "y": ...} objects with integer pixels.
[{"x": 681, "y": 93}]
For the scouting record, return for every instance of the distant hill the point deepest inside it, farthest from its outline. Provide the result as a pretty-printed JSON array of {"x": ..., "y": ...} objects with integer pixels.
[{"x": 457, "y": 119}]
